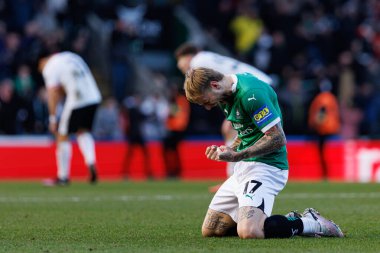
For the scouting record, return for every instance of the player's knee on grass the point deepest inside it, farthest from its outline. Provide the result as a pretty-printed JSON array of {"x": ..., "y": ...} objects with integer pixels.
[
  {"x": 209, "y": 232},
  {"x": 218, "y": 232},
  {"x": 232, "y": 231},
  {"x": 252, "y": 229},
  {"x": 251, "y": 232},
  {"x": 251, "y": 223},
  {"x": 278, "y": 226},
  {"x": 217, "y": 224}
]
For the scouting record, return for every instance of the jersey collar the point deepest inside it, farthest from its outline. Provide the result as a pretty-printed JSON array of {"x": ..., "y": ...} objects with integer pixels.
[{"x": 235, "y": 79}]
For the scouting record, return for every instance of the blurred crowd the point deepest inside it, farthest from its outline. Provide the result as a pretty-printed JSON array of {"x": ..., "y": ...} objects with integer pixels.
[
  {"x": 302, "y": 44},
  {"x": 306, "y": 44}
]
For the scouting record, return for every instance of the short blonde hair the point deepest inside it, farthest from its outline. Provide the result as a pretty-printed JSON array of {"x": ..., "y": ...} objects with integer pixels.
[{"x": 197, "y": 82}]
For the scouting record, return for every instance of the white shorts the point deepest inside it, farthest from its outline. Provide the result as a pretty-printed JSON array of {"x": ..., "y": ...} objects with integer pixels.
[{"x": 252, "y": 184}]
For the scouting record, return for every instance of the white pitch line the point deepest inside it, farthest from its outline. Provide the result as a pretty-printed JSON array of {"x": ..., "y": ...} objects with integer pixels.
[
  {"x": 184, "y": 197},
  {"x": 342, "y": 195},
  {"x": 122, "y": 198}
]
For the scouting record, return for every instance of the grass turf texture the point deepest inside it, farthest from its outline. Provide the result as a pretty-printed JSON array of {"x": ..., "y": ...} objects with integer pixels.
[{"x": 167, "y": 216}]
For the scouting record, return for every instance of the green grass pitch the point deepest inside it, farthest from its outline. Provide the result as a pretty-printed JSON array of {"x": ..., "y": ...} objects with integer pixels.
[{"x": 166, "y": 216}]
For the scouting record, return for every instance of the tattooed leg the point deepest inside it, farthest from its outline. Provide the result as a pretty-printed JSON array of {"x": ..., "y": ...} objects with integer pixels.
[
  {"x": 217, "y": 224},
  {"x": 251, "y": 222}
]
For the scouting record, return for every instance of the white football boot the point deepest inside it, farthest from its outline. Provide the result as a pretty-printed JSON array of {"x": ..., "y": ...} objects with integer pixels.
[{"x": 328, "y": 227}]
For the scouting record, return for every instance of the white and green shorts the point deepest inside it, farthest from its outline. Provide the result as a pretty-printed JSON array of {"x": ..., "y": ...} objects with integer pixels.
[{"x": 252, "y": 184}]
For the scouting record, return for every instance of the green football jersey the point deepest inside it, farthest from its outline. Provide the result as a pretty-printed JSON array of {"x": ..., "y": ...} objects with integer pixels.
[{"x": 252, "y": 110}]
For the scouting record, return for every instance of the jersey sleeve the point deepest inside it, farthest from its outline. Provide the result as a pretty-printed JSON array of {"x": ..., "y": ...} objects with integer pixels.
[
  {"x": 51, "y": 77},
  {"x": 259, "y": 106},
  {"x": 202, "y": 60}
]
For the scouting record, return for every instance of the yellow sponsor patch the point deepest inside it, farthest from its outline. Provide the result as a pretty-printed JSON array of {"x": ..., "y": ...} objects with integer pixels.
[{"x": 261, "y": 114}]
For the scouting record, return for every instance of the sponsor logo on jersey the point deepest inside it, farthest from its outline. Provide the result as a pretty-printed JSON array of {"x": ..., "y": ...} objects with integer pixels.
[
  {"x": 237, "y": 125},
  {"x": 252, "y": 98},
  {"x": 262, "y": 115},
  {"x": 246, "y": 131},
  {"x": 238, "y": 115}
]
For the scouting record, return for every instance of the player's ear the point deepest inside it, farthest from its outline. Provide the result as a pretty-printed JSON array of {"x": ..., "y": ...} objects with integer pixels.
[{"x": 214, "y": 84}]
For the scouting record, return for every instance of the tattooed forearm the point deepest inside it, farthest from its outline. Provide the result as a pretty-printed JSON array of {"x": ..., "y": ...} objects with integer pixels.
[
  {"x": 214, "y": 222},
  {"x": 272, "y": 140},
  {"x": 236, "y": 143},
  {"x": 245, "y": 213}
]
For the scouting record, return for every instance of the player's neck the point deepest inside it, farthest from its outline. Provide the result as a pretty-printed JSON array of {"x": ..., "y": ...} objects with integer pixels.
[{"x": 228, "y": 81}]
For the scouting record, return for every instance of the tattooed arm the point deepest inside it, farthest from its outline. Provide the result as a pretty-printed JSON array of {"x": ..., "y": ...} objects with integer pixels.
[
  {"x": 272, "y": 140},
  {"x": 236, "y": 143}
]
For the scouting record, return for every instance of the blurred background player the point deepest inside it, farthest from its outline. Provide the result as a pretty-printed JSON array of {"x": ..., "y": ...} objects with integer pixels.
[
  {"x": 190, "y": 56},
  {"x": 134, "y": 119},
  {"x": 67, "y": 77},
  {"x": 245, "y": 200},
  {"x": 176, "y": 125},
  {"x": 324, "y": 120}
]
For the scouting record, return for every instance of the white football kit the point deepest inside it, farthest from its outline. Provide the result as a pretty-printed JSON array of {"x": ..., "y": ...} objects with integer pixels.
[
  {"x": 226, "y": 65},
  {"x": 69, "y": 71}
]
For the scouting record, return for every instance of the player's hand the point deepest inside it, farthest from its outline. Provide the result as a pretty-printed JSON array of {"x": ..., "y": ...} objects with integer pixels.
[
  {"x": 222, "y": 153},
  {"x": 53, "y": 127},
  {"x": 212, "y": 152},
  {"x": 227, "y": 154}
]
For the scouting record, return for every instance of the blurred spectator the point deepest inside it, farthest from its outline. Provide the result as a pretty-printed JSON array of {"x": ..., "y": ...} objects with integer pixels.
[
  {"x": 46, "y": 21},
  {"x": 9, "y": 107},
  {"x": 347, "y": 81},
  {"x": 262, "y": 54},
  {"x": 41, "y": 112},
  {"x": 351, "y": 113},
  {"x": 16, "y": 114},
  {"x": 24, "y": 83},
  {"x": 279, "y": 54},
  {"x": 294, "y": 100},
  {"x": 18, "y": 13},
  {"x": 155, "y": 108},
  {"x": 324, "y": 120},
  {"x": 351, "y": 118},
  {"x": 367, "y": 99},
  {"x": 226, "y": 12},
  {"x": 120, "y": 49},
  {"x": 374, "y": 117},
  {"x": 134, "y": 118},
  {"x": 247, "y": 27},
  {"x": 106, "y": 122},
  {"x": 11, "y": 52},
  {"x": 176, "y": 124}
]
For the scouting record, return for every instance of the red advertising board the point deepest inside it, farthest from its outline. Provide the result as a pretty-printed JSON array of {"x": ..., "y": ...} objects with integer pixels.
[{"x": 354, "y": 161}]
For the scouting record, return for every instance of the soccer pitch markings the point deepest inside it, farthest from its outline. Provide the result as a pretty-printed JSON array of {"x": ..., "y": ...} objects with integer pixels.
[
  {"x": 126, "y": 198},
  {"x": 166, "y": 216}
]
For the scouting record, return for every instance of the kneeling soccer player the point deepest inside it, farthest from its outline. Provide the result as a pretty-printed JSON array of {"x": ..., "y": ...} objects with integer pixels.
[{"x": 245, "y": 200}]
